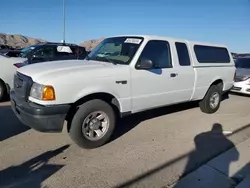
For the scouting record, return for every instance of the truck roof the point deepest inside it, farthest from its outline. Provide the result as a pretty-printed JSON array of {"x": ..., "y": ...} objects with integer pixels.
[{"x": 155, "y": 37}]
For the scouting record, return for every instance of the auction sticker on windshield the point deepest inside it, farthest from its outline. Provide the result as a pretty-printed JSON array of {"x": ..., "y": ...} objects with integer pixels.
[
  {"x": 64, "y": 49},
  {"x": 133, "y": 41}
]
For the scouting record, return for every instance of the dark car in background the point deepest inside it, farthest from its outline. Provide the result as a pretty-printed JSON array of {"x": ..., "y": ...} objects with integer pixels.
[
  {"x": 5, "y": 49},
  {"x": 49, "y": 52}
]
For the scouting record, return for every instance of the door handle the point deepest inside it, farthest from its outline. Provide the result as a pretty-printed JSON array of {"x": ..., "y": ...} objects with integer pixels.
[
  {"x": 121, "y": 82},
  {"x": 173, "y": 74}
]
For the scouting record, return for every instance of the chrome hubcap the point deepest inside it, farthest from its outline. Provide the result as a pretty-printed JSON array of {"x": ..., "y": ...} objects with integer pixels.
[
  {"x": 214, "y": 100},
  {"x": 95, "y": 125}
]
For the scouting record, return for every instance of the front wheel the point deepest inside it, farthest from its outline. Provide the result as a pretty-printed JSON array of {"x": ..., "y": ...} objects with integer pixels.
[
  {"x": 211, "y": 102},
  {"x": 92, "y": 124}
]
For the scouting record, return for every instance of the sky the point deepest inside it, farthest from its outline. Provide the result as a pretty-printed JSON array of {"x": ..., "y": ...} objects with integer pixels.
[{"x": 217, "y": 21}]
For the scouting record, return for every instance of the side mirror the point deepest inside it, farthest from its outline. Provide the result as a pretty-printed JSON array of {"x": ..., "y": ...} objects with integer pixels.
[{"x": 145, "y": 64}]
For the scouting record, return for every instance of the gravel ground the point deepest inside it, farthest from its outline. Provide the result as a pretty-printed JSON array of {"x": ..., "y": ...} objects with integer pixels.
[{"x": 150, "y": 149}]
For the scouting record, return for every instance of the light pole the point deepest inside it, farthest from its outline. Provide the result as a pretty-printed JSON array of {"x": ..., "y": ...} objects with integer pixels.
[{"x": 63, "y": 21}]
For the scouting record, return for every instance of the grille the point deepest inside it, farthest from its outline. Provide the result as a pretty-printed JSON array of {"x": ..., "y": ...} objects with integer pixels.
[
  {"x": 22, "y": 85},
  {"x": 236, "y": 88}
]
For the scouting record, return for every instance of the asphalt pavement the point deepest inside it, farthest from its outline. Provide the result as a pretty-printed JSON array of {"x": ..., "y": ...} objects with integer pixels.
[{"x": 149, "y": 149}]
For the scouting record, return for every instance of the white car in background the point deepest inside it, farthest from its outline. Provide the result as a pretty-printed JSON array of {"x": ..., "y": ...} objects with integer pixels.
[
  {"x": 242, "y": 78},
  {"x": 7, "y": 71}
]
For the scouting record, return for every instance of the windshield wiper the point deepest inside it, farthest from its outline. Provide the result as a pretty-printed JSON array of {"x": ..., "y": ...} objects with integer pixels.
[
  {"x": 101, "y": 58},
  {"x": 109, "y": 60}
]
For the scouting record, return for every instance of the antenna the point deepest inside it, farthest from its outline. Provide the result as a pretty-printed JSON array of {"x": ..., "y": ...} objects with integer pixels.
[{"x": 63, "y": 21}]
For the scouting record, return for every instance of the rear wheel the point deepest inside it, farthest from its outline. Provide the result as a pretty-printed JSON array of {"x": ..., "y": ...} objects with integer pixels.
[
  {"x": 211, "y": 102},
  {"x": 92, "y": 124},
  {"x": 3, "y": 91}
]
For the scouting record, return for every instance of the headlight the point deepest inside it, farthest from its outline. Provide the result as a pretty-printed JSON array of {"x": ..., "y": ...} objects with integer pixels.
[
  {"x": 248, "y": 81},
  {"x": 42, "y": 92},
  {"x": 244, "y": 78}
]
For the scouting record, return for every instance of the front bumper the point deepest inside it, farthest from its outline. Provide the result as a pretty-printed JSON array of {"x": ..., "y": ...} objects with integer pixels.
[
  {"x": 40, "y": 118},
  {"x": 241, "y": 87}
]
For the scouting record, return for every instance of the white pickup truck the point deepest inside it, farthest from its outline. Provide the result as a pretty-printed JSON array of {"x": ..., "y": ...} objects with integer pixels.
[{"x": 121, "y": 76}]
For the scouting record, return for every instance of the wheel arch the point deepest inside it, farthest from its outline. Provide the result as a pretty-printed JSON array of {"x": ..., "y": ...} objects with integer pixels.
[
  {"x": 2, "y": 81},
  {"x": 219, "y": 82},
  {"x": 107, "y": 97}
]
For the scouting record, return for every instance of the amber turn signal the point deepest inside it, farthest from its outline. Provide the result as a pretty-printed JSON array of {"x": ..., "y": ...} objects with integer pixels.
[{"x": 48, "y": 93}]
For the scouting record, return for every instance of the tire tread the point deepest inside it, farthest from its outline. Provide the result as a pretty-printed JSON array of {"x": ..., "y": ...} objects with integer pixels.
[{"x": 204, "y": 103}]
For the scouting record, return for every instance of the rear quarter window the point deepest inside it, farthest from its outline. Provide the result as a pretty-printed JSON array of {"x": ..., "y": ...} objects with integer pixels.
[{"x": 210, "y": 54}]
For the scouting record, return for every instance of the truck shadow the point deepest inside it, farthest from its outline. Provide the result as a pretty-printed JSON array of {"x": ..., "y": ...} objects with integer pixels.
[
  {"x": 128, "y": 123},
  {"x": 239, "y": 94},
  {"x": 32, "y": 172},
  {"x": 9, "y": 124}
]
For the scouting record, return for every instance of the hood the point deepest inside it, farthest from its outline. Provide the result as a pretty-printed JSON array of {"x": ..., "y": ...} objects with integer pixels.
[
  {"x": 242, "y": 72},
  {"x": 48, "y": 70}
]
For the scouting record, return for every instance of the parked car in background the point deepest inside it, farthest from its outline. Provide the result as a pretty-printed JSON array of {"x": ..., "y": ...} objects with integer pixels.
[
  {"x": 50, "y": 52},
  {"x": 242, "y": 79},
  {"x": 140, "y": 73},
  {"x": 7, "y": 71}
]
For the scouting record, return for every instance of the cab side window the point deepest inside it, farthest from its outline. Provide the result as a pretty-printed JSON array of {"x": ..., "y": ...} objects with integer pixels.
[{"x": 159, "y": 53}]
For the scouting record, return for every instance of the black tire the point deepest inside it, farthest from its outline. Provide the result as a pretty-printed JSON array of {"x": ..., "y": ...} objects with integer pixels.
[
  {"x": 205, "y": 102},
  {"x": 3, "y": 91},
  {"x": 75, "y": 130}
]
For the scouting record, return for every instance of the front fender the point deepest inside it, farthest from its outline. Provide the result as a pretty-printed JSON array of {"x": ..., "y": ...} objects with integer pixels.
[
  {"x": 123, "y": 98},
  {"x": 92, "y": 90}
]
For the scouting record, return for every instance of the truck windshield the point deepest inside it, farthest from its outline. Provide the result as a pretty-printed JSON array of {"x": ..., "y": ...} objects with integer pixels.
[
  {"x": 116, "y": 50},
  {"x": 243, "y": 63}
]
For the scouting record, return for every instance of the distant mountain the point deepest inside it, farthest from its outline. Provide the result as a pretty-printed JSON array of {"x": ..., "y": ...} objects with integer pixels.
[
  {"x": 18, "y": 41},
  {"x": 91, "y": 44}
]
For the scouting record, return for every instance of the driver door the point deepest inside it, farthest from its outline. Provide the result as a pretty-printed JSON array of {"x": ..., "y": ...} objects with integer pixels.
[{"x": 156, "y": 86}]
